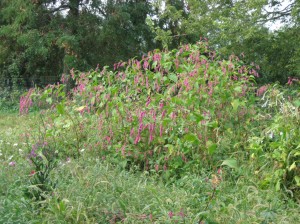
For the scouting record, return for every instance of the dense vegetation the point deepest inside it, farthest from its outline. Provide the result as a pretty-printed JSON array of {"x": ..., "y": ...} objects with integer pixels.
[
  {"x": 193, "y": 133},
  {"x": 190, "y": 132},
  {"x": 42, "y": 39}
]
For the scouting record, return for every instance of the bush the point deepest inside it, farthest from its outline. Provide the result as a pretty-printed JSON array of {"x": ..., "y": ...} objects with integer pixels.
[
  {"x": 279, "y": 141},
  {"x": 168, "y": 113},
  {"x": 9, "y": 99}
]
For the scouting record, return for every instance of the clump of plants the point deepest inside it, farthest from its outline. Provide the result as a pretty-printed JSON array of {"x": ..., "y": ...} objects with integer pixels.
[
  {"x": 43, "y": 159},
  {"x": 279, "y": 140},
  {"x": 169, "y": 112},
  {"x": 173, "y": 112},
  {"x": 9, "y": 99}
]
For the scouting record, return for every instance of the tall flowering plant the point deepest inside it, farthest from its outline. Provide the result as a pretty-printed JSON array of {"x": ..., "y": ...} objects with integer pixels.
[{"x": 167, "y": 112}]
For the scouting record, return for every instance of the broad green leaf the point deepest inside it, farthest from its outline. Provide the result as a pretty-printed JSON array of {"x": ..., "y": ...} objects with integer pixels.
[
  {"x": 192, "y": 138},
  {"x": 232, "y": 163},
  {"x": 235, "y": 104},
  {"x": 173, "y": 77}
]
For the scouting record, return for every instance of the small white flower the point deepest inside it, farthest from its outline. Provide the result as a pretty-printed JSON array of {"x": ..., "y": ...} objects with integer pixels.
[
  {"x": 82, "y": 150},
  {"x": 10, "y": 157},
  {"x": 281, "y": 133},
  {"x": 16, "y": 144}
]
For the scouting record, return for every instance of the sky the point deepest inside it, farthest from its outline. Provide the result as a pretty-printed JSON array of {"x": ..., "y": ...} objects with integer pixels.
[{"x": 278, "y": 24}]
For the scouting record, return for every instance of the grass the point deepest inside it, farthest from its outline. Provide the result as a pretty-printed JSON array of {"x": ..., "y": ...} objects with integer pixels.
[{"x": 91, "y": 190}]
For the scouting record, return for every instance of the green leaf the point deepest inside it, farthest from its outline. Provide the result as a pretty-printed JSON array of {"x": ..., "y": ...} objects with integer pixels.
[
  {"x": 211, "y": 147},
  {"x": 60, "y": 108},
  {"x": 277, "y": 187},
  {"x": 293, "y": 166},
  {"x": 232, "y": 163},
  {"x": 45, "y": 160},
  {"x": 173, "y": 77},
  {"x": 235, "y": 104},
  {"x": 170, "y": 147},
  {"x": 49, "y": 100},
  {"x": 192, "y": 138},
  {"x": 297, "y": 103},
  {"x": 238, "y": 89},
  {"x": 122, "y": 205}
]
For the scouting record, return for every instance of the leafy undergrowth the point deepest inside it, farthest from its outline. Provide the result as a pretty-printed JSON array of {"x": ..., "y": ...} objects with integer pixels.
[
  {"x": 90, "y": 190},
  {"x": 182, "y": 136}
]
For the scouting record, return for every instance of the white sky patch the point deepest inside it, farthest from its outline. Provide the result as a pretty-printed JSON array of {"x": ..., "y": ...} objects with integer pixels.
[{"x": 278, "y": 23}]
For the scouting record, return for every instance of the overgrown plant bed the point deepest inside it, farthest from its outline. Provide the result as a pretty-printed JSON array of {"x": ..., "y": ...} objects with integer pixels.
[
  {"x": 90, "y": 190},
  {"x": 170, "y": 113},
  {"x": 186, "y": 120}
]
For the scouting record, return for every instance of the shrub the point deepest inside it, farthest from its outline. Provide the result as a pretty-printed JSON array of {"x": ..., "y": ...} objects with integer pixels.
[
  {"x": 279, "y": 140},
  {"x": 168, "y": 113}
]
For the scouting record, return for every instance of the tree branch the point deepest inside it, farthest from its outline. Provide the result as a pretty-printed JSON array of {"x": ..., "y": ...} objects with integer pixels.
[{"x": 60, "y": 8}]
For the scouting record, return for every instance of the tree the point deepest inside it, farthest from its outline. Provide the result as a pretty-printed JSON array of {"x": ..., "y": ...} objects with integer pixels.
[
  {"x": 236, "y": 27},
  {"x": 42, "y": 38}
]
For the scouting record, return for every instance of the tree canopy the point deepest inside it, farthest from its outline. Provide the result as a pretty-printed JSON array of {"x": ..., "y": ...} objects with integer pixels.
[{"x": 42, "y": 39}]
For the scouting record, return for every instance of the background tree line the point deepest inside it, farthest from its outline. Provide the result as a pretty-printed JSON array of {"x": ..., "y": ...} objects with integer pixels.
[{"x": 42, "y": 39}]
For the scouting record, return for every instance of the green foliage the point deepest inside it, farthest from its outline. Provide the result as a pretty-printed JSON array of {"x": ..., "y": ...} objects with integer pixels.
[
  {"x": 9, "y": 100},
  {"x": 240, "y": 27},
  {"x": 44, "y": 159},
  {"x": 146, "y": 111},
  {"x": 180, "y": 136},
  {"x": 279, "y": 141},
  {"x": 40, "y": 40}
]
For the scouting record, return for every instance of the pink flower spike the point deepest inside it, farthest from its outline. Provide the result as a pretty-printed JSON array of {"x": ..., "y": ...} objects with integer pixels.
[
  {"x": 151, "y": 138},
  {"x": 132, "y": 132},
  {"x": 262, "y": 90},
  {"x": 160, "y": 130},
  {"x": 161, "y": 105},
  {"x": 163, "y": 114},
  {"x": 147, "y": 82},
  {"x": 165, "y": 167},
  {"x": 138, "y": 64},
  {"x": 148, "y": 101},
  {"x": 146, "y": 64},
  {"x": 137, "y": 139},
  {"x": 181, "y": 213}
]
